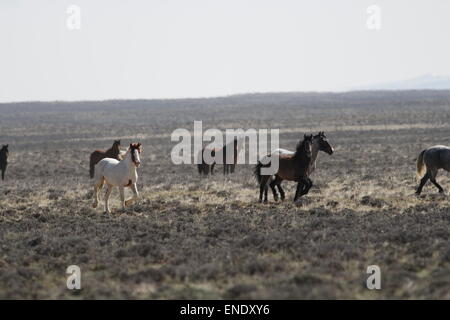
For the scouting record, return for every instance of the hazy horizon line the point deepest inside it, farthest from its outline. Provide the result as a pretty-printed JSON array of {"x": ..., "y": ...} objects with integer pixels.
[{"x": 224, "y": 96}]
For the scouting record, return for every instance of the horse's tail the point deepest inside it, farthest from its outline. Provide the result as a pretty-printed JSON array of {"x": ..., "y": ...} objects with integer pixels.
[
  {"x": 257, "y": 172},
  {"x": 421, "y": 166},
  {"x": 92, "y": 166}
]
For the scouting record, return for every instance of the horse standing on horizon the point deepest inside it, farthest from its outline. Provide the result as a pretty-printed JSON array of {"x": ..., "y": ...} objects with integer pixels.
[
  {"x": 291, "y": 167},
  {"x": 4, "y": 154},
  {"x": 118, "y": 173},
  {"x": 97, "y": 155},
  {"x": 319, "y": 143},
  {"x": 428, "y": 164}
]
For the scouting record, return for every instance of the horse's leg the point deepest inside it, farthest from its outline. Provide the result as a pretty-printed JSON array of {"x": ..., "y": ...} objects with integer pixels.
[
  {"x": 135, "y": 195},
  {"x": 97, "y": 186},
  {"x": 307, "y": 184},
  {"x": 107, "y": 194},
  {"x": 422, "y": 183},
  {"x": 298, "y": 192},
  {"x": 266, "y": 190},
  {"x": 91, "y": 166},
  {"x": 135, "y": 192},
  {"x": 433, "y": 175},
  {"x": 202, "y": 169},
  {"x": 280, "y": 189},
  {"x": 274, "y": 191},
  {"x": 3, "y": 174},
  {"x": 122, "y": 196},
  {"x": 307, "y": 187},
  {"x": 95, "y": 196},
  {"x": 263, "y": 188},
  {"x": 212, "y": 168},
  {"x": 277, "y": 184}
]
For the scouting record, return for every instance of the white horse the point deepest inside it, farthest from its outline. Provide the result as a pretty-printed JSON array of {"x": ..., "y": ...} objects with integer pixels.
[{"x": 118, "y": 173}]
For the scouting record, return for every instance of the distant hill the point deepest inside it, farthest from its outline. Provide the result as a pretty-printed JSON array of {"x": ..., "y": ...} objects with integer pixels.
[{"x": 427, "y": 81}]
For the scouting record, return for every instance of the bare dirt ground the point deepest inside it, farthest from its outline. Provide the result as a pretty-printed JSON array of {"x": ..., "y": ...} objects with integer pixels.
[{"x": 191, "y": 237}]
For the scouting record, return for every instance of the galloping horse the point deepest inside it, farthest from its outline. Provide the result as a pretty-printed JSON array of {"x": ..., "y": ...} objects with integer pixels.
[
  {"x": 432, "y": 159},
  {"x": 97, "y": 155},
  {"x": 320, "y": 143},
  {"x": 118, "y": 173},
  {"x": 4, "y": 153},
  {"x": 292, "y": 167}
]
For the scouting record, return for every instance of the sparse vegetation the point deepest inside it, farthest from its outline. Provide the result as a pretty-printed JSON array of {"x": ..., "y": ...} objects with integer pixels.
[{"x": 195, "y": 237}]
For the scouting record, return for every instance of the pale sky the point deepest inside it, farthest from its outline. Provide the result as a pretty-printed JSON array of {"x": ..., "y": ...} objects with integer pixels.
[{"x": 142, "y": 49}]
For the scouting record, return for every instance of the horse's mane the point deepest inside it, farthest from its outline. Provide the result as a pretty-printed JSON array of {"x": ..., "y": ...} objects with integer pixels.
[
  {"x": 4, "y": 151},
  {"x": 115, "y": 148},
  {"x": 301, "y": 146},
  {"x": 135, "y": 146}
]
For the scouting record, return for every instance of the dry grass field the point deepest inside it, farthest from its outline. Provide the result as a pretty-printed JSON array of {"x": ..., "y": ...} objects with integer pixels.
[{"x": 197, "y": 238}]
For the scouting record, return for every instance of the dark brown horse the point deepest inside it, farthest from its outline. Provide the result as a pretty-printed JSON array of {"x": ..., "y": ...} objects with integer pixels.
[
  {"x": 320, "y": 143},
  {"x": 204, "y": 168},
  {"x": 292, "y": 167},
  {"x": 228, "y": 167},
  {"x": 4, "y": 153},
  {"x": 97, "y": 155}
]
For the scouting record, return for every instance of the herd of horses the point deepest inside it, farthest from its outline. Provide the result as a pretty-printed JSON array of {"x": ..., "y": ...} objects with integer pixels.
[{"x": 117, "y": 168}]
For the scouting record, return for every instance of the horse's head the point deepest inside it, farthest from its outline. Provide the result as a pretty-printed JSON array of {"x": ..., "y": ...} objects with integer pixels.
[
  {"x": 116, "y": 144},
  {"x": 135, "y": 151},
  {"x": 323, "y": 143}
]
